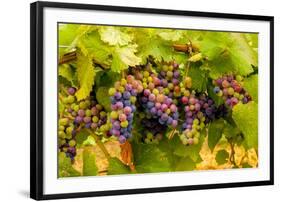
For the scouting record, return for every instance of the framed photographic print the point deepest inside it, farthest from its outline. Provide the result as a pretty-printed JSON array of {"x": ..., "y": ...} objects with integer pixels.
[{"x": 134, "y": 100}]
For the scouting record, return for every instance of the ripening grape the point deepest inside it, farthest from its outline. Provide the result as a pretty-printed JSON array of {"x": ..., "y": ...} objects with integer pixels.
[
  {"x": 230, "y": 88},
  {"x": 86, "y": 113},
  {"x": 123, "y": 100},
  {"x": 156, "y": 103}
]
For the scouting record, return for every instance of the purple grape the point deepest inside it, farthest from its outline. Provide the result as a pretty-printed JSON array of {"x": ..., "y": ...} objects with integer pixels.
[{"x": 71, "y": 91}]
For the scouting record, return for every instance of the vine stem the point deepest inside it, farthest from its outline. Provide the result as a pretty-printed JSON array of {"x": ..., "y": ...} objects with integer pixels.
[
  {"x": 100, "y": 144},
  {"x": 232, "y": 155}
]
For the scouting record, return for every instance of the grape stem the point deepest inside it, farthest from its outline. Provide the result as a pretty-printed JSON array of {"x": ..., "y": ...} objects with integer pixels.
[
  {"x": 100, "y": 144},
  {"x": 171, "y": 134}
]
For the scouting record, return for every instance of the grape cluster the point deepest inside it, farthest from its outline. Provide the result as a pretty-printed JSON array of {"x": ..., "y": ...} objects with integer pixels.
[
  {"x": 152, "y": 130},
  {"x": 156, "y": 103},
  {"x": 199, "y": 110},
  {"x": 67, "y": 137},
  {"x": 86, "y": 113},
  {"x": 230, "y": 88},
  {"x": 123, "y": 98},
  {"x": 169, "y": 76}
]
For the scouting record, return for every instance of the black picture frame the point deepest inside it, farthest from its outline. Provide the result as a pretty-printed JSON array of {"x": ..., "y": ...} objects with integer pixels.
[{"x": 37, "y": 99}]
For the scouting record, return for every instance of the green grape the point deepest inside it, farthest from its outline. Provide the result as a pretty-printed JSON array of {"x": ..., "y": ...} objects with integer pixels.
[
  {"x": 61, "y": 128},
  {"x": 62, "y": 134},
  {"x": 63, "y": 121},
  {"x": 72, "y": 143},
  {"x": 88, "y": 112}
]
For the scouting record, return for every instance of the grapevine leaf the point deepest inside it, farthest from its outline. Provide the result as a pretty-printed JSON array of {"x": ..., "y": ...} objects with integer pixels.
[
  {"x": 222, "y": 157},
  {"x": 150, "y": 44},
  {"x": 81, "y": 136},
  {"x": 230, "y": 131},
  {"x": 70, "y": 35},
  {"x": 228, "y": 53},
  {"x": 65, "y": 166},
  {"x": 246, "y": 118},
  {"x": 149, "y": 158},
  {"x": 116, "y": 167},
  {"x": 85, "y": 73},
  {"x": 67, "y": 34},
  {"x": 64, "y": 81},
  {"x": 103, "y": 98},
  {"x": 251, "y": 85},
  {"x": 114, "y": 36},
  {"x": 124, "y": 57},
  {"x": 90, "y": 141},
  {"x": 185, "y": 164},
  {"x": 89, "y": 162},
  {"x": 171, "y": 35},
  {"x": 168, "y": 146},
  {"x": 67, "y": 72},
  {"x": 215, "y": 133},
  {"x": 99, "y": 51},
  {"x": 252, "y": 40},
  {"x": 106, "y": 79},
  {"x": 199, "y": 80}
]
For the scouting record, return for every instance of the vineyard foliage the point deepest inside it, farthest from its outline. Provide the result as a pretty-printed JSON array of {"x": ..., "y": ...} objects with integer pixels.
[{"x": 93, "y": 58}]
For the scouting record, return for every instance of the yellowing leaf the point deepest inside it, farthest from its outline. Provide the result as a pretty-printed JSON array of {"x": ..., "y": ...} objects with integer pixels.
[
  {"x": 171, "y": 35},
  {"x": 127, "y": 55},
  {"x": 85, "y": 73},
  {"x": 114, "y": 36},
  {"x": 124, "y": 57}
]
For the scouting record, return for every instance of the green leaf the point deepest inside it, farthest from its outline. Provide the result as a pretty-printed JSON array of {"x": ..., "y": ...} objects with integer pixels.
[
  {"x": 252, "y": 40},
  {"x": 71, "y": 34},
  {"x": 191, "y": 151},
  {"x": 251, "y": 86},
  {"x": 99, "y": 51},
  {"x": 114, "y": 36},
  {"x": 246, "y": 119},
  {"x": 185, "y": 164},
  {"x": 106, "y": 79},
  {"x": 116, "y": 167},
  {"x": 65, "y": 166},
  {"x": 149, "y": 158},
  {"x": 246, "y": 165},
  {"x": 89, "y": 162},
  {"x": 199, "y": 80},
  {"x": 81, "y": 136},
  {"x": 103, "y": 98},
  {"x": 222, "y": 157},
  {"x": 151, "y": 44},
  {"x": 228, "y": 53},
  {"x": 230, "y": 131},
  {"x": 67, "y": 34},
  {"x": 85, "y": 73},
  {"x": 215, "y": 132},
  {"x": 67, "y": 72}
]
